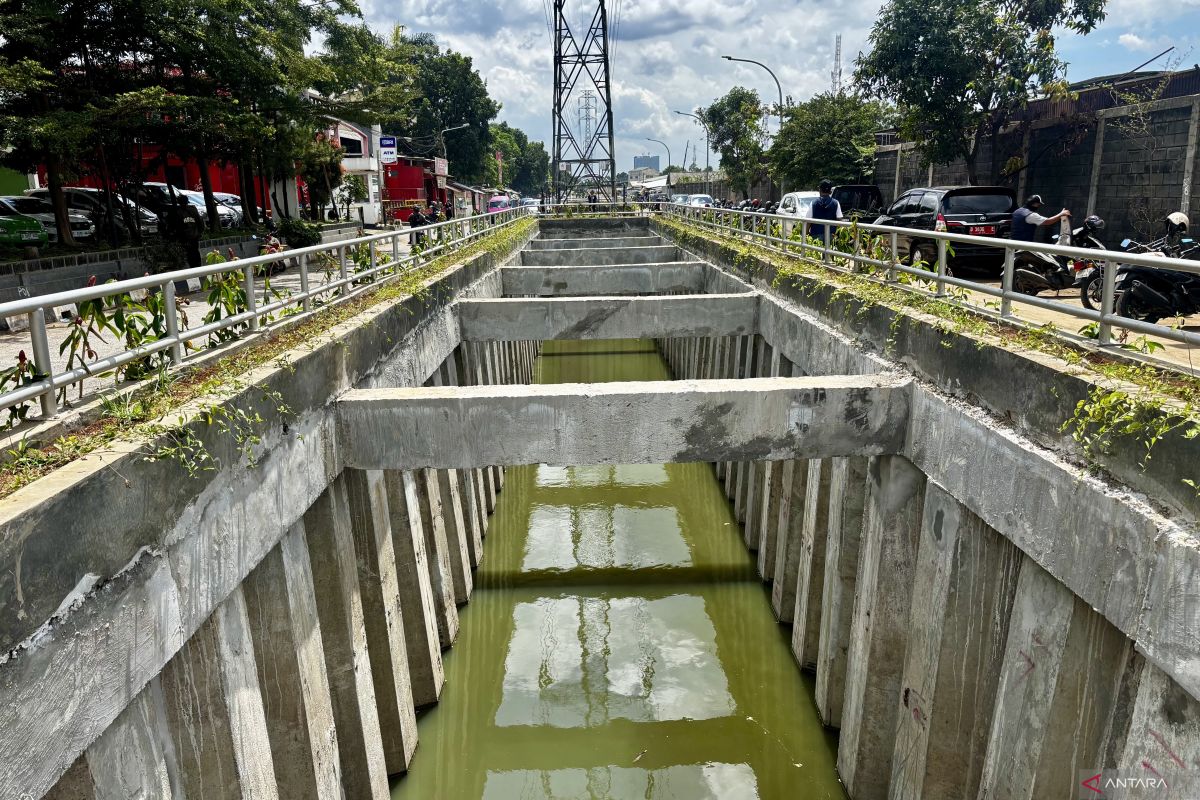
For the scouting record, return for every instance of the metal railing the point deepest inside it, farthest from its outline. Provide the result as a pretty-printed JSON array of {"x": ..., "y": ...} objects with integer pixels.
[
  {"x": 852, "y": 256},
  {"x": 341, "y": 282}
]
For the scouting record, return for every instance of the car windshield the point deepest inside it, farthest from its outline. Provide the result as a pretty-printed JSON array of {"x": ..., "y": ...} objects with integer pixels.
[
  {"x": 30, "y": 205},
  {"x": 983, "y": 203},
  {"x": 700, "y": 198},
  {"x": 6, "y": 210},
  {"x": 804, "y": 206}
]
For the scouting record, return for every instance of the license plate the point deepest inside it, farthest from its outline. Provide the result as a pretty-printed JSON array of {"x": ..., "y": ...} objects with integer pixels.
[
  {"x": 983, "y": 230},
  {"x": 29, "y": 236}
]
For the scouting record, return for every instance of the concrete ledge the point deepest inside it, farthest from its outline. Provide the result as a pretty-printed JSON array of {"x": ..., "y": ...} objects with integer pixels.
[
  {"x": 568, "y": 228},
  {"x": 679, "y": 276},
  {"x": 653, "y": 422},
  {"x": 602, "y": 242},
  {"x": 672, "y": 316},
  {"x": 578, "y": 257}
]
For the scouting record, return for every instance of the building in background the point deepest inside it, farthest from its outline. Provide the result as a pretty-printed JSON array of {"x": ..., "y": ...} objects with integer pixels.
[
  {"x": 643, "y": 173},
  {"x": 360, "y": 156},
  {"x": 646, "y": 162}
]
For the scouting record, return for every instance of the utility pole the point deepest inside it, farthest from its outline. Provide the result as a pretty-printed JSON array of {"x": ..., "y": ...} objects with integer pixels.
[{"x": 589, "y": 156}]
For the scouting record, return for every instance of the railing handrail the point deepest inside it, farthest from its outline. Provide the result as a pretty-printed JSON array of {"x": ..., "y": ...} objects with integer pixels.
[
  {"x": 127, "y": 285},
  {"x": 47, "y": 382}
]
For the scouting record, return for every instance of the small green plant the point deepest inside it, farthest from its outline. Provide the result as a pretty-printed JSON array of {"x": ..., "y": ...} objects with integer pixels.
[{"x": 298, "y": 233}]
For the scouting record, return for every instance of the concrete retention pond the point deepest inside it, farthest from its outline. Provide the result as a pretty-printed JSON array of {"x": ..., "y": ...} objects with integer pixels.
[{"x": 619, "y": 513}]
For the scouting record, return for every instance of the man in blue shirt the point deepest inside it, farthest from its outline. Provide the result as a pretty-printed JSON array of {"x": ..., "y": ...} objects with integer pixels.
[
  {"x": 824, "y": 207},
  {"x": 1026, "y": 219}
]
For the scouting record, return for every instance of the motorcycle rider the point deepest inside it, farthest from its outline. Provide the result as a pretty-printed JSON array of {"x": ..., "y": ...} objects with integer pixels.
[{"x": 1026, "y": 219}]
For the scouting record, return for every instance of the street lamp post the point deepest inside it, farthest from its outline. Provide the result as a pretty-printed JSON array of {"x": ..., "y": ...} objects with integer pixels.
[
  {"x": 444, "y": 131},
  {"x": 707, "y": 147},
  {"x": 778, "y": 86},
  {"x": 668, "y": 147}
]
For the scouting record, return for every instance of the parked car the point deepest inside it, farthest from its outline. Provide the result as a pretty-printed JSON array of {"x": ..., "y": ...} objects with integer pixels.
[
  {"x": 43, "y": 212},
  {"x": 700, "y": 200},
  {"x": 795, "y": 204},
  {"x": 91, "y": 203},
  {"x": 984, "y": 211},
  {"x": 20, "y": 230},
  {"x": 680, "y": 198},
  {"x": 498, "y": 203},
  {"x": 530, "y": 202},
  {"x": 227, "y": 216},
  {"x": 859, "y": 200}
]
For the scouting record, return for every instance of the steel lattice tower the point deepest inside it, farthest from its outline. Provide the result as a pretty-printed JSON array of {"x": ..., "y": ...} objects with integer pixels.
[{"x": 585, "y": 157}]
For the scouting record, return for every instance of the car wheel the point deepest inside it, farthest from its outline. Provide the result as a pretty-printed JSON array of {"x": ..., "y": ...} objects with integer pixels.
[{"x": 918, "y": 256}]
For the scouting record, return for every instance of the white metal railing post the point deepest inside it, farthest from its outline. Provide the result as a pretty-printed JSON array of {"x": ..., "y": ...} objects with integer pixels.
[
  {"x": 941, "y": 266},
  {"x": 803, "y": 238},
  {"x": 827, "y": 237},
  {"x": 305, "y": 296},
  {"x": 41, "y": 360},
  {"x": 342, "y": 273},
  {"x": 1108, "y": 301},
  {"x": 856, "y": 265},
  {"x": 251, "y": 300},
  {"x": 894, "y": 260},
  {"x": 396, "y": 250},
  {"x": 171, "y": 313},
  {"x": 1006, "y": 284}
]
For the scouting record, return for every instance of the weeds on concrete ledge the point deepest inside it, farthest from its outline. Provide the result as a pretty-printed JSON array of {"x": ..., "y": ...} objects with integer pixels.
[
  {"x": 1163, "y": 401},
  {"x": 141, "y": 415}
]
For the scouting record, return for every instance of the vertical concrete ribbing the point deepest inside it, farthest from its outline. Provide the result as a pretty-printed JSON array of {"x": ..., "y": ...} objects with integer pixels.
[
  {"x": 458, "y": 536},
  {"x": 378, "y": 586},
  {"x": 847, "y": 496},
  {"x": 810, "y": 572},
  {"x": 749, "y": 368},
  {"x": 468, "y": 487},
  {"x": 966, "y": 577},
  {"x": 767, "y": 364},
  {"x": 214, "y": 710},
  {"x": 879, "y": 632},
  {"x": 790, "y": 515},
  {"x": 291, "y": 671},
  {"x": 437, "y": 549},
  {"x": 1037, "y": 637},
  {"x": 344, "y": 637},
  {"x": 416, "y": 592},
  {"x": 1163, "y": 736},
  {"x": 732, "y": 468},
  {"x": 771, "y": 488},
  {"x": 133, "y": 757}
]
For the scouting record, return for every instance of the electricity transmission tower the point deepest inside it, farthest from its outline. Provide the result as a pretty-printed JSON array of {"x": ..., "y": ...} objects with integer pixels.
[
  {"x": 588, "y": 156},
  {"x": 836, "y": 74}
]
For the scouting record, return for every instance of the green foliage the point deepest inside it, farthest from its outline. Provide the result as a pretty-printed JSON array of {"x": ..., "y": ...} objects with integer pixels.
[
  {"x": 298, "y": 233},
  {"x": 959, "y": 69},
  {"x": 735, "y": 124},
  {"x": 830, "y": 136}
]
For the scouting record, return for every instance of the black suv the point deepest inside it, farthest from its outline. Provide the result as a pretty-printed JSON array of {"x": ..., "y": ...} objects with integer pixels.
[
  {"x": 859, "y": 201},
  {"x": 974, "y": 210}
]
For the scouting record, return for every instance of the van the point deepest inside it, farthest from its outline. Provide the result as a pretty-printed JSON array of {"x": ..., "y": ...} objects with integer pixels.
[{"x": 498, "y": 203}]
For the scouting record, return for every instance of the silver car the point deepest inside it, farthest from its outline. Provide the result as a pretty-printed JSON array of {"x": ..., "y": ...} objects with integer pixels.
[
  {"x": 43, "y": 212},
  {"x": 90, "y": 202}
]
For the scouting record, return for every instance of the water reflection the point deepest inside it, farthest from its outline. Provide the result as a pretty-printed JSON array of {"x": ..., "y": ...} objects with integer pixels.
[
  {"x": 570, "y": 537},
  {"x": 583, "y": 661},
  {"x": 693, "y": 782}
]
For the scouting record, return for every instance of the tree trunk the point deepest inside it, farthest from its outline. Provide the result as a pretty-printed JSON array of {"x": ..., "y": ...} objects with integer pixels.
[
  {"x": 249, "y": 201},
  {"x": 210, "y": 202},
  {"x": 62, "y": 219},
  {"x": 994, "y": 138}
]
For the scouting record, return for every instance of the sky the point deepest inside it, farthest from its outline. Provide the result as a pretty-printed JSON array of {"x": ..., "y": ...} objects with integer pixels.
[{"x": 667, "y": 54}]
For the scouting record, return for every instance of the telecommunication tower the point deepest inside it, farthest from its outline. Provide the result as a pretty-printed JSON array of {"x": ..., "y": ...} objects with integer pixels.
[{"x": 588, "y": 156}]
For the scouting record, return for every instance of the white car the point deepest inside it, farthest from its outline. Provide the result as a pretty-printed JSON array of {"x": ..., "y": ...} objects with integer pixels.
[
  {"x": 680, "y": 198},
  {"x": 701, "y": 200},
  {"x": 43, "y": 212},
  {"x": 796, "y": 204}
]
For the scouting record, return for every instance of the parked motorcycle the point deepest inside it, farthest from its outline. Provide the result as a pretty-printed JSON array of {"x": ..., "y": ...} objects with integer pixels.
[
  {"x": 1149, "y": 294},
  {"x": 1037, "y": 271}
]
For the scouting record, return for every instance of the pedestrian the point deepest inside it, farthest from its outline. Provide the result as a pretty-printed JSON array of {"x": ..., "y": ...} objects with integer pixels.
[
  {"x": 188, "y": 228},
  {"x": 1026, "y": 219},
  {"x": 416, "y": 221},
  {"x": 824, "y": 207}
]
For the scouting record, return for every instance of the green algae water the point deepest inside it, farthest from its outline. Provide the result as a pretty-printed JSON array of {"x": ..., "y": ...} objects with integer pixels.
[{"x": 619, "y": 643}]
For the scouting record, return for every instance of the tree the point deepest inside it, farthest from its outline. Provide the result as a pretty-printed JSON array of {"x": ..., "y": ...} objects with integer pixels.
[
  {"x": 503, "y": 141},
  {"x": 959, "y": 69},
  {"x": 736, "y": 132},
  {"x": 830, "y": 136},
  {"x": 450, "y": 92}
]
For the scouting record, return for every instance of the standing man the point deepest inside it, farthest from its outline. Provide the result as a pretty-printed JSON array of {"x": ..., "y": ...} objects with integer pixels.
[
  {"x": 824, "y": 207},
  {"x": 1026, "y": 219},
  {"x": 189, "y": 229}
]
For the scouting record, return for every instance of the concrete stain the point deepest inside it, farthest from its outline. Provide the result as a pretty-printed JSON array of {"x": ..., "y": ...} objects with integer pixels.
[{"x": 619, "y": 644}]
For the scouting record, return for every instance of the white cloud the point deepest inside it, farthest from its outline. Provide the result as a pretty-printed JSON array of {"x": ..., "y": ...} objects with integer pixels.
[{"x": 1131, "y": 41}]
